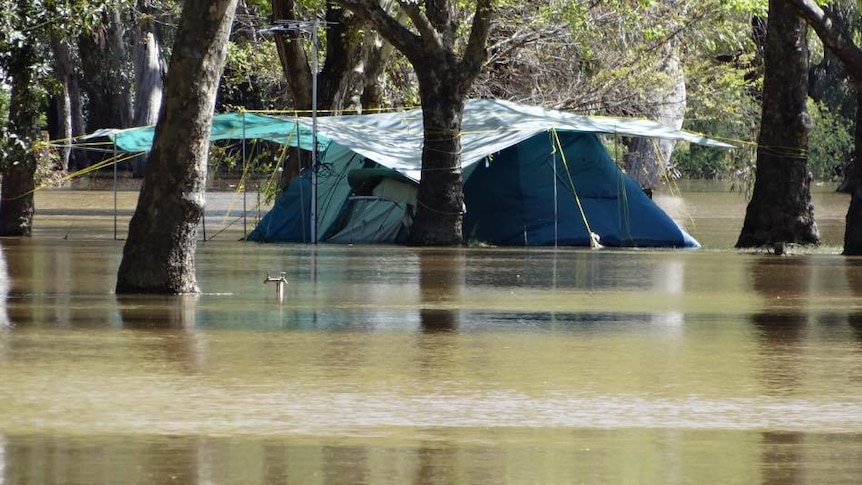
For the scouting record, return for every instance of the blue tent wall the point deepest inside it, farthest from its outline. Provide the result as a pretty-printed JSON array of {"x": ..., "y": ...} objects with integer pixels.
[{"x": 515, "y": 198}]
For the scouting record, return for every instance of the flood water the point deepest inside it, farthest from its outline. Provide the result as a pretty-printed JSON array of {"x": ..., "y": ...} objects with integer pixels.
[{"x": 392, "y": 365}]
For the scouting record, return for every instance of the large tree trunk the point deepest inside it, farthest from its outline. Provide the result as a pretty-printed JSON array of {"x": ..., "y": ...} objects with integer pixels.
[
  {"x": 439, "y": 215},
  {"x": 842, "y": 45},
  {"x": 159, "y": 256},
  {"x": 853, "y": 219},
  {"x": 780, "y": 210},
  {"x": 16, "y": 197}
]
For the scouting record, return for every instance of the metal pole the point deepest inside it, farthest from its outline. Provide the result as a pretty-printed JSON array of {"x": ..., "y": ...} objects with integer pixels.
[
  {"x": 314, "y": 26},
  {"x": 115, "y": 191},
  {"x": 242, "y": 179}
]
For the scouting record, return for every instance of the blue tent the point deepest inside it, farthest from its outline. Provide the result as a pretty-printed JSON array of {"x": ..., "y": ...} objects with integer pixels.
[
  {"x": 535, "y": 196},
  {"x": 532, "y": 177}
]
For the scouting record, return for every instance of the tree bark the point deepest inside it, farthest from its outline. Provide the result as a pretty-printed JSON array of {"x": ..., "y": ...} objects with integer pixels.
[
  {"x": 149, "y": 74},
  {"x": 440, "y": 214},
  {"x": 780, "y": 210},
  {"x": 103, "y": 57},
  {"x": 149, "y": 69},
  {"x": 158, "y": 256},
  {"x": 16, "y": 197},
  {"x": 64, "y": 71},
  {"x": 294, "y": 61},
  {"x": 853, "y": 219},
  {"x": 837, "y": 41},
  {"x": 377, "y": 53}
]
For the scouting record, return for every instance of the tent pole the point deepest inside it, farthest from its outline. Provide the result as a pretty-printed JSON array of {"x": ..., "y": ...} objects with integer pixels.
[
  {"x": 556, "y": 211},
  {"x": 244, "y": 168},
  {"x": 115, "y": 191},
  {"x": 314, "y": 27}
]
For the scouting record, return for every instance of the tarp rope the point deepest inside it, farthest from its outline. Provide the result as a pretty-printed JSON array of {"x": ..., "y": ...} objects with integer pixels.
[
  {"x": 92, "y": 168},
  {"x": 558, "y": 146}
]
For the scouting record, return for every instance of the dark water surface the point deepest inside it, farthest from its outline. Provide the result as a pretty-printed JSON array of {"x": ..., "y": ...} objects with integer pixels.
[{"x": 390, "y": 365}]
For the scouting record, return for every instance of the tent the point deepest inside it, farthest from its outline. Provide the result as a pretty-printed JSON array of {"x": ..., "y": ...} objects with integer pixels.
[{"x": 532, "y": 177}]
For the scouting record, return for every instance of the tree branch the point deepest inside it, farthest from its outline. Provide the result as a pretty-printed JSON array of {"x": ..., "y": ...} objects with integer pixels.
[
  {"x": 370, "y": 12},
  {"x": 476, "y": 52},
  {"x": 831, "y": 36},
  {"x": 430, "y": 37}
]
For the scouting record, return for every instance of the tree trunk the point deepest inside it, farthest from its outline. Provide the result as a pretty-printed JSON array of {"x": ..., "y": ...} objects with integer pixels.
[
  {"x": 159, "y": 255},
  {"x": 780, "y": 210},
  {"x": 149, "y": 71},
  {"x": 439, "y": 215},
  {"x": 376, "y": 55},
  {"x": 16, "y": 197},
  {"x": 647, "y": 160},
  {"x": 64, "y": 71},
  {"x": 294, "y": 61},
  {"x": 853, "y": 219},
  {"x": 103, "y": 58},
  {"x": 148, "y": 68}
]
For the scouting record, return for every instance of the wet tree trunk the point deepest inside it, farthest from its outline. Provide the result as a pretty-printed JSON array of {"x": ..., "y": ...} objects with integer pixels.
[
  {"x": 159, "y": 255},
  {"x": 780, "y": 210},
  {"x": 843, "y": 46},
  {"x": 16, "y": 197},
  {"x": 853, "y": 219},
  {"x": 439, "y": 216}
]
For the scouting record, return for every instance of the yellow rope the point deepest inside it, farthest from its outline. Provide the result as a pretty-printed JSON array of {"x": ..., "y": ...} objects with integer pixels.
[{"x": 84, "y": 171}]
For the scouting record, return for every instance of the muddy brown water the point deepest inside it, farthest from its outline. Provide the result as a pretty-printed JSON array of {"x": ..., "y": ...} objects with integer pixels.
[{"x": 431, "y": 366}]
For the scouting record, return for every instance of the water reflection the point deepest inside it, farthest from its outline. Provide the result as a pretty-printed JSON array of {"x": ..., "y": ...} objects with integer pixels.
[
  {"x": 158, "y": 311},
  {"x": 172, "y": 319},
  {"x": 782, "y": 458},
  {"x": 441, "y": 278},
  {"x": 4, "y": 291},
  {"x": 59, "y": 283},
  {"x": 781, "y": 323},
  {"x": 853, "y": 272}
]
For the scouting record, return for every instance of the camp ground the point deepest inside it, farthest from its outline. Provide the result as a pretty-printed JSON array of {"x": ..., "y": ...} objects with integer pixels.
[{"x": 532, "y": 177}]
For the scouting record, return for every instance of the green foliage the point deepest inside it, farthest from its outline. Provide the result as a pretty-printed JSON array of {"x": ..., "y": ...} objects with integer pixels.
[
  {"x": 830, "y": 142},
  {"x": 254, "y": 68},
  {"x": 4, "y": 106}
]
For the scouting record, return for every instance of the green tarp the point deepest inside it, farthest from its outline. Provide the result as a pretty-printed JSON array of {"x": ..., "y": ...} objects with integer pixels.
[{"x": 228, "y": 126}]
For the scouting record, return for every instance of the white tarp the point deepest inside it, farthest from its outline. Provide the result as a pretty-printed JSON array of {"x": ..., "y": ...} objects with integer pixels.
[{"x": 395, "y": 139}]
